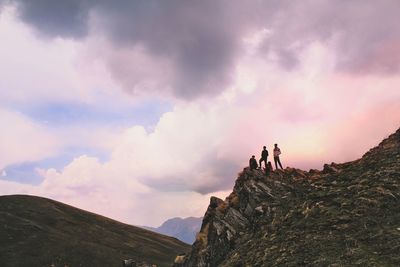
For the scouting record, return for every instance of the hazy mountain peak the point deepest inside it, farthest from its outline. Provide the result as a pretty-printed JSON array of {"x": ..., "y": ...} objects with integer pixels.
[{"x": 185, "y": 229}]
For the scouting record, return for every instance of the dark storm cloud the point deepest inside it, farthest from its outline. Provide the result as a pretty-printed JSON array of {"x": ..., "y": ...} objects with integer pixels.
[
  {"x": 199, "y": 36},
  {"x": 56, "y": 18},
  {"x": 203, "y": 39}
]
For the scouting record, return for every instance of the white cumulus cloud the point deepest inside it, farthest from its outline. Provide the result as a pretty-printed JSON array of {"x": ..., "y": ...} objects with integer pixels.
[{"x": 23, "y": 140}]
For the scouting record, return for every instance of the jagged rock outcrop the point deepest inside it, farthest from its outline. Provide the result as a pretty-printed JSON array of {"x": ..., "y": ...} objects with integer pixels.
[{"x": 345, "y": 215}]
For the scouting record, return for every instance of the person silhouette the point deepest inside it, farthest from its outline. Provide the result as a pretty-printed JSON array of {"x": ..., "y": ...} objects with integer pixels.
[
  {"x": 277, "y": 152},
  {"x": 268, "y": 168},
  {"x": 264, "y": 156},
  {"x": 253, "y": 163}
]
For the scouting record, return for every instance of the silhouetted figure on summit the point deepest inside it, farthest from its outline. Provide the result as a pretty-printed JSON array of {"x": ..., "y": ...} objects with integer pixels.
[
  {"x": 264, "y": 156},
  {"x": 277, "y": 152},
  {"x": 253, "y": 163},
  {"x": 268, "y": 168}
]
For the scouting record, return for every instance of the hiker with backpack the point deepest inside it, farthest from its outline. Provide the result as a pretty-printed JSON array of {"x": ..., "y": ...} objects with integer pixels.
[
  {"x": 277, "y": 152},
  {"x": 264, "y": 157}
]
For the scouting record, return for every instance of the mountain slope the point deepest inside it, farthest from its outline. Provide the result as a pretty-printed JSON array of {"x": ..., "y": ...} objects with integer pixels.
[
  {"x": 36, "y": 231},
  {"x": 345, "y": 215},
  {"x": 183, "y": 229}
]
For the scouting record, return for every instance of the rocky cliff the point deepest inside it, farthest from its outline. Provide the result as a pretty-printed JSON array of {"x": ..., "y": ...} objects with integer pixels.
[{"x": 345, "y": 215}]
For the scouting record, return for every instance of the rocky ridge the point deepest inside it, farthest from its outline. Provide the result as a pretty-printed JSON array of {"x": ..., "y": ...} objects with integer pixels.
[{"x": 345, "y": 215}]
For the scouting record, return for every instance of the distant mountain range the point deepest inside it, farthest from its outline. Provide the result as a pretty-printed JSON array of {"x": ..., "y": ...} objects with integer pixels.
[
  {"x": 183, "y": 229},
  {"x": 36, "y": 231}
]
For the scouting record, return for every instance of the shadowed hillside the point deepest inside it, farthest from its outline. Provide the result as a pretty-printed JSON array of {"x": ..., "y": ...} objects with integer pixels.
[
  {"x": 36, "y": 231},
  {"x": 345, "y": 215}
]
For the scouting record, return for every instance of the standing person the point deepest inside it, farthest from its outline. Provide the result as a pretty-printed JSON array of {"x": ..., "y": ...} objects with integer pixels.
[
  {"x": 253, "y": 163},
  {"x": 264, "y": 156},
  {"x": 277, "y": 152}
]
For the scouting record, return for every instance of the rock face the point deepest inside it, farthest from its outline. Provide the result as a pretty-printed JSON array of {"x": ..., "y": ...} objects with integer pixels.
[{"x": 345, "y": 215}]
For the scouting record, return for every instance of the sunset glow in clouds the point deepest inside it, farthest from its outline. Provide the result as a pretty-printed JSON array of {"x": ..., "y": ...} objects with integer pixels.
[{"x": 141, "y": 110}]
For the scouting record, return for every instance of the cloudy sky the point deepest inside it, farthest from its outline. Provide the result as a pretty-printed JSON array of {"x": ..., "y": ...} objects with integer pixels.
[{"x": 141, "y": 110}]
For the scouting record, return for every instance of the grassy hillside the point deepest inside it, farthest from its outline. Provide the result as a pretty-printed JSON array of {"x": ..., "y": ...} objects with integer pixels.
[{"x": 35, "y": 231}]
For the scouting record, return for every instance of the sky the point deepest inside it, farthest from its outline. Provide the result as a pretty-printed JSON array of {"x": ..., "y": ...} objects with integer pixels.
[{"x": 141, "y": 110}]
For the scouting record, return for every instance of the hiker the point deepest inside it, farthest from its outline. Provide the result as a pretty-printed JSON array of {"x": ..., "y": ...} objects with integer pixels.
[
  {"x": 277, "y": 152},
  {"x": 268, "y": 168},
  {"x": 264, "y": 156},
  {"x": 253, "y": 163}
]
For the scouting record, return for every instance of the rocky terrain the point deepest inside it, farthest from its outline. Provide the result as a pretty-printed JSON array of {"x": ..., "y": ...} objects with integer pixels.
[
  {"x": 41, "y": 232},
  {"x": 183, "y": 229},
  {"x": 344, "y": 215}
]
